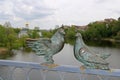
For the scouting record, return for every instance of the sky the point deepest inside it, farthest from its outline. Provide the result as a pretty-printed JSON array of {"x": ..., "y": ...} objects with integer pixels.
[{"x": 47, "y": 14}]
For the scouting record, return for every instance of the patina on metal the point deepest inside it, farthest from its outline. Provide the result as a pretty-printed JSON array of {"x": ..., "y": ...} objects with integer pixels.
[
  {"x": 89, "y": 58},
  {"x": 48, "y": 47}
]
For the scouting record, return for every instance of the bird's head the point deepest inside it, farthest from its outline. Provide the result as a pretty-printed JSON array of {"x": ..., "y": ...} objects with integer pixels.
[
  {"x": 61, "y": 31},
  {"x": 78, "y": 35}
]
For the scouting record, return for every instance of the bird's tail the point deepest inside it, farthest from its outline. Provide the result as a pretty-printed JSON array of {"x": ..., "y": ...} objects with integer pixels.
[
  {"x": 29, "y": 42},
  {"x": 104, "y": 55}
]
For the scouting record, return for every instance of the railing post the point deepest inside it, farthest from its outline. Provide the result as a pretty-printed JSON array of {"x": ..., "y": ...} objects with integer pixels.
[
  {"x": 61, "y": 74},
  {"x": 43, "y": 74},
  {"x": 1, "y": 78},
  {"x": 27, "y": 73},
  {"x": 11, "y": 73}
]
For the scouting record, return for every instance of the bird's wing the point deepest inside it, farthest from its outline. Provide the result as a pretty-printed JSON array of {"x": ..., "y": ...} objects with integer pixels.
[
  {"x": 42, "y": 43},
  {"x": 41, "y": 46},
  {"x": 45, "y": 41},
  {"x": 90, "y": 56},
  {"x": 29, "y": 42}
]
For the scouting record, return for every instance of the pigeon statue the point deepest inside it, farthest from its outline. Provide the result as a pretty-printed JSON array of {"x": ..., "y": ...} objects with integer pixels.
[
  {"x": 89, "y": 58},
  {"x": 48, "y": 47}
]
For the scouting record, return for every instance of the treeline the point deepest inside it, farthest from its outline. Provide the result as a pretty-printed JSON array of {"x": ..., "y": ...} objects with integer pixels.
[
  {"x": 109, "y": 28},
  {"x": 99, "y": 30},
  {"x": 9, "y": 37}
]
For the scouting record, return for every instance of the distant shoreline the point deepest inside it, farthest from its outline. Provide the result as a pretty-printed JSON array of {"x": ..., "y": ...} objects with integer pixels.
[
  {"x": 3, "y": 50},
  {"x": 110, "y": 39}
]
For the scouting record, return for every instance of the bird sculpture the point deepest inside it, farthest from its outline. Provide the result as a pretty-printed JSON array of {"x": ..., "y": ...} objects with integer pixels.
[
  {"x": 89, "y": 58},
  {"x": 48, "y": 47}
]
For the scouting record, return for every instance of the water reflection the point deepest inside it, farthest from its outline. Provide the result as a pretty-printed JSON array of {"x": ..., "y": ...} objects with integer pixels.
[{"x": 103, "y": 44}]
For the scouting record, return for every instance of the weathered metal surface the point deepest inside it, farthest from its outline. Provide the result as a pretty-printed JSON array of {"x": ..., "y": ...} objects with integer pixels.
[
  {"x": 48, "y": 47},
  {"x": 89, "y": 58}
]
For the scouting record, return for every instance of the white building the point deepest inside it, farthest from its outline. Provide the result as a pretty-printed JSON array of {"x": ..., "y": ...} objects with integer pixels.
[{"x": 24, "y": 31}]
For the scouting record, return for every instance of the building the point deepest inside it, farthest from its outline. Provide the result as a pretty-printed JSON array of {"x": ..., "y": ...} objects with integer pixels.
[
  {"x": 80, "y": 27},
  {"x": 24, "y": 31},
  {"x": 109, "y": 20}
]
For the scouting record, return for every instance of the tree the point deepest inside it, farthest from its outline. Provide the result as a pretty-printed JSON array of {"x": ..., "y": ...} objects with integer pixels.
[
  {"x": 70, "y": 35},
  {"x": 8, "y": 38},
  {"x": 117, "y": 36},
  {"x": 11, "y": 38},
  {"x": 119, "y": 19},
  {"x": 22, "y": 41},
  {"x": 17, "y": 30},
  {"x": 33, "y": 34},
  {"x": 47, "y": 34},
  {"x": 97, "y": 30},
  {"x": 115, "y": 28},
  {"x": 3, "y": 37}
]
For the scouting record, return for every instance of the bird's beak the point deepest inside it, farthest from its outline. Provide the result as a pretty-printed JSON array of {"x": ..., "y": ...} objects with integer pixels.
[
  {"x": 64, "y": 32},
  {"x": 76, "y": 34}
]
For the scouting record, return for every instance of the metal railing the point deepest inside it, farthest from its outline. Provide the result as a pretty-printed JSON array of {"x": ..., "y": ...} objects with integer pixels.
[{"x": 27, "y": 67}]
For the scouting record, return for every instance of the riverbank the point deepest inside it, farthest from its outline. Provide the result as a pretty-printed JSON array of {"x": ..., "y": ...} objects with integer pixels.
[
  {"x": 4, "y": 53},
  {"x": 110, "y": 39}
]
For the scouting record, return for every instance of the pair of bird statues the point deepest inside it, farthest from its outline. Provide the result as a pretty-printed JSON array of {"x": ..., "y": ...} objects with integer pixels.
[{"x": 48, "y": 47}]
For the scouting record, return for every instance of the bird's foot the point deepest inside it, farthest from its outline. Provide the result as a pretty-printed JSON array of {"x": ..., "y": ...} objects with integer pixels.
[
  {"x": 49, "y": 65},
  {"x": 82, "y": 67}
]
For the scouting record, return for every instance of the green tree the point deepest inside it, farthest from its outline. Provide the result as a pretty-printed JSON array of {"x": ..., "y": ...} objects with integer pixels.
[
  {"x": 115, "y": 28},
  {"x": 22, "y": 41},
  {"x": 17, "y": 30},
  {"x": 97, "y": 30},
  {"x": 33, "y": 34},
  {"x": 11, "y": 37},
  {"x": 3, "y": 37},
  {"x": 47, "y": 34},
  {"x": 117, "y": 36},
  {"x": 70, "y": 35},
  {"x": 7, "y": 38}
]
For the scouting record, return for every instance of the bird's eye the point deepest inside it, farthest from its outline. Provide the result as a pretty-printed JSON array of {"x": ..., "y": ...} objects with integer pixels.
[{"x": 82, "y": 50}]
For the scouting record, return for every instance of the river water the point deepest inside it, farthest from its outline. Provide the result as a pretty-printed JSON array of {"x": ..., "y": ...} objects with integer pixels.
[{"x": 66, "y": 57}]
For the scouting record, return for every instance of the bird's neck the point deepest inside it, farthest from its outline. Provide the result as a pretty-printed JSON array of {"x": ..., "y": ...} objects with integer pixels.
[
  {"x": 57, "y": 38},
  {"x": 79, "y": 41}
]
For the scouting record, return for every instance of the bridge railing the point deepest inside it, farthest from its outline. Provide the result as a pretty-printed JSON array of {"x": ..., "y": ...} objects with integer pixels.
[{"x": 27, "y": 67}]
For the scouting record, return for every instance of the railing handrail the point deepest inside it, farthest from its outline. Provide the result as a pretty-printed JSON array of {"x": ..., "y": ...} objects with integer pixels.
[{"x": 62, "y": 68}]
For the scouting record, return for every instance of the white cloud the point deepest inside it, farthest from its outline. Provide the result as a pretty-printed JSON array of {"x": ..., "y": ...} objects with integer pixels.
[
  {"x": 48, "y": 13},
  {"x": 31, "y": 10}
]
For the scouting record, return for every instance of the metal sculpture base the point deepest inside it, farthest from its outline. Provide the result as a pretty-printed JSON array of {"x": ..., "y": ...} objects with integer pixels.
[
  {"x": 49, "y": 65},
  {"x": 83, "y": 67}
]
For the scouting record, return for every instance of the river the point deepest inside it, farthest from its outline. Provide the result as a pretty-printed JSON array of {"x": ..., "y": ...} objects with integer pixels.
[{"x": 66, "y": 56}]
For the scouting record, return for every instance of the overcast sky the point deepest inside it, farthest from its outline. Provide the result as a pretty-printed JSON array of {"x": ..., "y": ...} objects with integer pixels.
[{"x": 48, "y": 13}]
